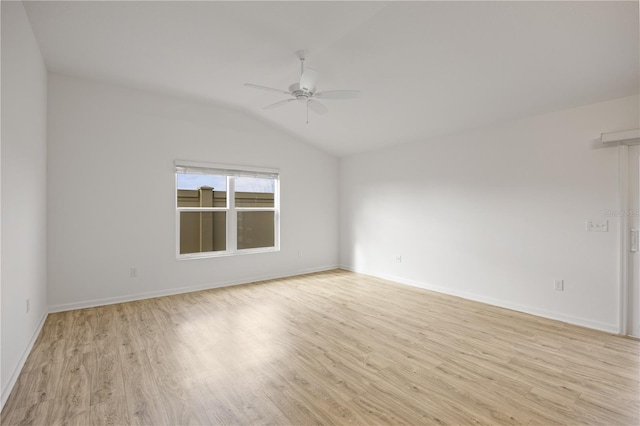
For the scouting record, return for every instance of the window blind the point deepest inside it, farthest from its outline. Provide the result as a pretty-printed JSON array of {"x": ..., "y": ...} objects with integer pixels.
[{"x": 190, "y": 167}]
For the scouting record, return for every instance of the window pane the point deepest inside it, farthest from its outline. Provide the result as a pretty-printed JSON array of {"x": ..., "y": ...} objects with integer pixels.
[
  {"x": 202, "y": 232},
  {"x": 255, "y": 192},
  {"x": 202, "y": 190},
  {"x": 255, "y": 229}
]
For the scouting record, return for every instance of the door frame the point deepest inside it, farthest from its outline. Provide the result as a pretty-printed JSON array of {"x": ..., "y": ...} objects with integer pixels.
[
  {"x": 623, "y": 139},
  {"x": 623, "y": 204}
]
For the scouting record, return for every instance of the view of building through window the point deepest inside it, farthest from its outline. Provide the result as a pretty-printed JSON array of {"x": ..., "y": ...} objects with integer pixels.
[{"x": 208, "y": 222}]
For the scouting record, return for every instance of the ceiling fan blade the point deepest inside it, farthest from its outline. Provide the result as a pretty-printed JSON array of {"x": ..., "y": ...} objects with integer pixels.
[
  {"x": 269, "y": 89},
  {"x": 317, "y": 107},
  {"x": 309, "y": 79},
  {"x": 338, "y": 94},
  {"x": 279, "y": 103}
]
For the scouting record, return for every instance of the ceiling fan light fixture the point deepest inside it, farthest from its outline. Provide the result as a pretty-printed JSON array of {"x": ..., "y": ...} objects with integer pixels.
[{"x": 309, "y": 79}]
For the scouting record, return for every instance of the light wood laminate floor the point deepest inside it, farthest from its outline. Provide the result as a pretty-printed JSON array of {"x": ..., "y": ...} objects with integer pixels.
[{"x": 326, "y": 348}]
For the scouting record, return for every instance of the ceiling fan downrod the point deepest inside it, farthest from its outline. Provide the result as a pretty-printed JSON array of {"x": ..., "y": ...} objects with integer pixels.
[{"x": 301, "y": 74}]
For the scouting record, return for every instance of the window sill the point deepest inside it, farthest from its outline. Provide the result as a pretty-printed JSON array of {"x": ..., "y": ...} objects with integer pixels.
[{"x": 214, "y": 254}]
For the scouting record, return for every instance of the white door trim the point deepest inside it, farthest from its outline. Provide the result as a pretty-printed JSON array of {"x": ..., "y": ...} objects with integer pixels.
[{"x": 623, "y": 191}]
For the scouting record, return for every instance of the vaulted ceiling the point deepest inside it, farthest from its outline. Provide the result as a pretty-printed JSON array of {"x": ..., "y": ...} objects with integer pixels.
[{"x": 424, "y": 68}]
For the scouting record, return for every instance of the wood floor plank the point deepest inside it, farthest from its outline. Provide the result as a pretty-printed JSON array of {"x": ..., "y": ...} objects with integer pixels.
[
  {"x": 111, "y": 412},
  {"x": 294, "y": 406},
  {"x": 45, "y": 352},
  {"x": 35, "y": 414},
  {"x": 456, "y": 394},
  {"x": 323, "y": 396},
  {"x": 324, "y": 348},
  {"x": 71, "y": 403},
  {"x": 141, "y": 391},
  {"x": 244, "y": 395},
  {"x": 181, "y": 405},
  {"x": 106, "y": 376}
]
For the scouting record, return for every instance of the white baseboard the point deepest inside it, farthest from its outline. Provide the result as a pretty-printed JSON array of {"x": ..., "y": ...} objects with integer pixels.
[
  {"x": 179, "y": 290},
  {"x": 6, "y": 391},
  {"x": 570, "y": 319}
]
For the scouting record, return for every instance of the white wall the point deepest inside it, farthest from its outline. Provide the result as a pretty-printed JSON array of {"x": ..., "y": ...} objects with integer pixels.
[
  {"x": 111, "y": 189},
  {"x": 496, "y": 214},
  {"x": 23, "y": 211}
]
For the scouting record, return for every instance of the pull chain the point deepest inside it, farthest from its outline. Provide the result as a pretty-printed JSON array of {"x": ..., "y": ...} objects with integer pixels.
[{"x": 307, "y": 112}]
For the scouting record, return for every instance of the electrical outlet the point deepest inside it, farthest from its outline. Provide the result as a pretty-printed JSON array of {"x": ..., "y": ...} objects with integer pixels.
[
  {"x": 398, "y": 259},
  {"x": 28, "y": 305},
  {"x": 558, "y": 285},
  {"x": 600, "y": 225},
  {"x": 133, "y": 272}
]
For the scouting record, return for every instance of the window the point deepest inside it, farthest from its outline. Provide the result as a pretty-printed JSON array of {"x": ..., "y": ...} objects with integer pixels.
[{"x": 225, "y": 210}]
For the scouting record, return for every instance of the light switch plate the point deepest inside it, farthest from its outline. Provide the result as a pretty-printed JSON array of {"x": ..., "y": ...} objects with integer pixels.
[
  {"x": 597, "y": 225},
  {"x": 558, "y": 285}
]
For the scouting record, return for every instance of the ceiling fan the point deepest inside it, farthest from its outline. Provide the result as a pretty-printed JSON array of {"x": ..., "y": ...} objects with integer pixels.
[{"x": 305, "y": 91}]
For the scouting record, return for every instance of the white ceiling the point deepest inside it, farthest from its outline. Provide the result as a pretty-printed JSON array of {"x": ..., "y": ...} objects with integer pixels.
[{"x": 425, "y": 68}]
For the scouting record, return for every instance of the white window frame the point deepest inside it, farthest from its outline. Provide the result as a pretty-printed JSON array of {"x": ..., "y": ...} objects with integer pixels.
[{"x": 231, "y": 172}]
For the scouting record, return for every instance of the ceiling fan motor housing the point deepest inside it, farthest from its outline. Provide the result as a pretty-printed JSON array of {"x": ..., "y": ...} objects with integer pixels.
[{"x": 300, "y": 94}]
